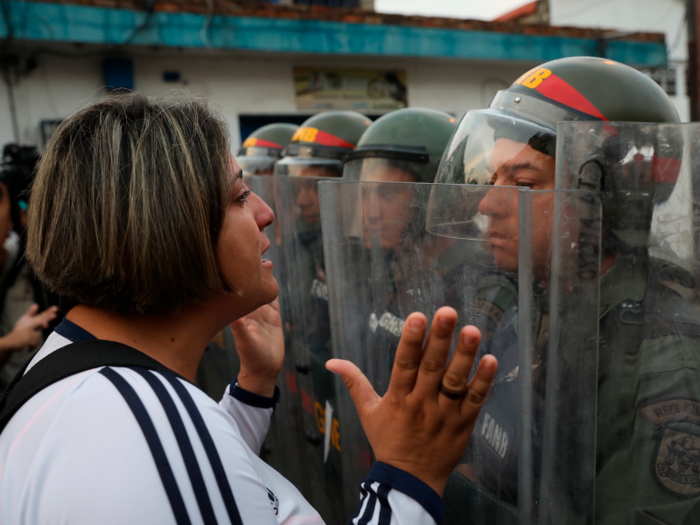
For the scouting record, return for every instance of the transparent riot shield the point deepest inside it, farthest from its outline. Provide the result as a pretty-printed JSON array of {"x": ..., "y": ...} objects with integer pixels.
[
  {"x": 521, "y": 265},
  {"x": 220, "y": 362},
  {"x": 648, "y": 421},
  {"x": 283, "y": 449},
  {"x": 298, "y": 214}
]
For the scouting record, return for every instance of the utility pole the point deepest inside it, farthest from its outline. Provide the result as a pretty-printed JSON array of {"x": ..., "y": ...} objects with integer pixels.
[{"x": 693, "y": 17}]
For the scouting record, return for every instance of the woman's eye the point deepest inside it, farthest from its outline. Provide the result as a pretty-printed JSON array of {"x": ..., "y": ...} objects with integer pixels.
[{"x": 243, "y": 198}]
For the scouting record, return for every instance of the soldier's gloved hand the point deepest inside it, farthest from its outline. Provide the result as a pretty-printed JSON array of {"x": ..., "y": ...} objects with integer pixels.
[
  {"x": 260, "y": 345},
  {"x": 423, "y": 423}
]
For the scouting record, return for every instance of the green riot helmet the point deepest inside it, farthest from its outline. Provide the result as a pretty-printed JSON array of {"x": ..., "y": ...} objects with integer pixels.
[
  {"x": 320, "y": 145},
  {"x": 408, "y": 143},
  {"x": 510, "y": 142},
  {"x": 264, "y": 147}
]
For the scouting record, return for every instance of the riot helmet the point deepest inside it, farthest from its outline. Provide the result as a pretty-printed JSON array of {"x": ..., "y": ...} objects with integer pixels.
[
  {"x": 514, "y": 141},
  {"x": 264, "y": 147},
  {"x": 320, "y": 145},
  {"x": 409, "y": 142},
  {"x": 404, "y": 146}
]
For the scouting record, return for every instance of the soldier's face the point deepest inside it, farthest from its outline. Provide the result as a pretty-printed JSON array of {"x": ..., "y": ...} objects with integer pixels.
[
  {"x": 517, "y": 165},
  {"x": 307, "y": 199},
  {"x": 386, "y": 208}
]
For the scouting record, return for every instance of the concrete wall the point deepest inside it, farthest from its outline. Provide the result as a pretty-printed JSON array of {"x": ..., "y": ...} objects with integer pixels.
[
  {"x": 258, "y": 84},
  {"x": 666, "y": 16}
]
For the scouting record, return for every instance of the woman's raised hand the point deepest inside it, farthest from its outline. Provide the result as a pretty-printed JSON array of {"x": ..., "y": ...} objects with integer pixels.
[
  {"x": 424, "y": 421},
  {"x": 260, "y": 346}
]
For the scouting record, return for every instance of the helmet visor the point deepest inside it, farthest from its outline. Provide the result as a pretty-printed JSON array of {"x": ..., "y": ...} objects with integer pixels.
[
  {"x": 477, "y": 149},
  {"x": 490, "y": 147},
  {"x": 309, "y": 167},
  {"x": 374, "y": 169},
  {"x": 257, "y": 165}
]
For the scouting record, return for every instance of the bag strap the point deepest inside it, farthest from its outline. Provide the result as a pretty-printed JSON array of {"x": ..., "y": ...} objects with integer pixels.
[{"x": 65, "y": 362}]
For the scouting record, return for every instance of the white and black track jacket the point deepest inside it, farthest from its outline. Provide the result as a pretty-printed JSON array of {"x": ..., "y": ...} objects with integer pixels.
[{"x": 128, "y": 445}]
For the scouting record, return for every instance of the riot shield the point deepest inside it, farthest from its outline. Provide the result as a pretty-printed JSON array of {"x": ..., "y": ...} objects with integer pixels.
[
  {"x": 298, "y": 213},
  {"x": 522, "y": 266},
  {"x": 648, "y": 421},
  {"x": 283, "y": 448}
]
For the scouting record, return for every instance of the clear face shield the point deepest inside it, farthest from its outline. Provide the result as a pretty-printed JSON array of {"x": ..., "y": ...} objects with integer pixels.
[
  {"x": 256, "y": 160},
  {"x": 296, "y": 181},
  {"x": 306, "y": 166},
  {"x": 497, "y": 154},
  {"x": 389, "y": 209}
]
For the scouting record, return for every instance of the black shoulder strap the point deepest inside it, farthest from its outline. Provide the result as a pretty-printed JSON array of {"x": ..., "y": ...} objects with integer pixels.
[{"x": 65, "y": 362}]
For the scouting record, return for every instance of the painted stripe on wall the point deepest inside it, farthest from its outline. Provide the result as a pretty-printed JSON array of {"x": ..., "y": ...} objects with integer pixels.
[{"x": 96, "y": 25}]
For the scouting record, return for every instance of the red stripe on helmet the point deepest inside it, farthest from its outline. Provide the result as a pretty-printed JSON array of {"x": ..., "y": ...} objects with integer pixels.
[
  {"x": 267, "y": 144},
  {"x": 326, "y": 139},
  {"x": 666, "y": 169},
  {"x": 561, "y": 91},
  {"x": 317, "y": 136}
]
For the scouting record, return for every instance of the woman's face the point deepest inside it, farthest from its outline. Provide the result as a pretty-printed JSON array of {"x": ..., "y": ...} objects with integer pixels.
[{"x": 243, "y": 242}]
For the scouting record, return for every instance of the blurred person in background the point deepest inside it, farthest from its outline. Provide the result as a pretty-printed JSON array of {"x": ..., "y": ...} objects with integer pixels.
[{"x": 25, "y": 303}]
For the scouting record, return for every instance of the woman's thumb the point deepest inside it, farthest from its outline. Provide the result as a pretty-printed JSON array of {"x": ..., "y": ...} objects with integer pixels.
[{"x": 356, "y": 382}]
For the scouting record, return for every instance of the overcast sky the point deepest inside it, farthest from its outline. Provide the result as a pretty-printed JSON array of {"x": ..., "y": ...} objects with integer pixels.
[{"x": 477, "y": 9}]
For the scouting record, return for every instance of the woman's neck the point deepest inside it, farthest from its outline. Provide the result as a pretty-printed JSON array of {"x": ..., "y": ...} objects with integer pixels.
[{"x": 176, "y": 341}]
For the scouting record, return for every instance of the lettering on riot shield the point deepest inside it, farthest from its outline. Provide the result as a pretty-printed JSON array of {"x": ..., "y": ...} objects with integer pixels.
[
  {"x": 319, "y": 289},
  {"x": 677, "y": 462},
  {"x": 494, "y": 435},
  {"x": 388, "y": 322},
  {"x": 320, "y": 415}
]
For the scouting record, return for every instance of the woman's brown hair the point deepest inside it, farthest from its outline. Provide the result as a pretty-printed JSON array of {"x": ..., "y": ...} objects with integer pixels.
[{"x": 128, "y": 204}]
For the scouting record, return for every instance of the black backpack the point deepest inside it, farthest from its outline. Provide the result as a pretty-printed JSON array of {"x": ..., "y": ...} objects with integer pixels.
[{"x": 67, "y": 361}]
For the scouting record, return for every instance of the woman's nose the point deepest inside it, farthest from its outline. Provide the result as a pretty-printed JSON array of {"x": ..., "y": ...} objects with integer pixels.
[{"x": 264, "y": 215}]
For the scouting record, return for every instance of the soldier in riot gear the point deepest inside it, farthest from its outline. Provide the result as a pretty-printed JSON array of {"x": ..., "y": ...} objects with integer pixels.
[
  {"x": 264, "y": 147},
  {"x": 648, "y": 339},
  {"x": 315, "y": 153},
  {"x": 404, "y": 146}
]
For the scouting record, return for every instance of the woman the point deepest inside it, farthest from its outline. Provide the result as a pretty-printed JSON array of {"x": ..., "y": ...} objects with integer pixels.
[{"x": 139, "y": 215}]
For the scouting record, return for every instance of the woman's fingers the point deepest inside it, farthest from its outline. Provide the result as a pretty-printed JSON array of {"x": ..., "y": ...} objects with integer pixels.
[
  {"x": 454, "y": 384},
  {"x": 408, "y": 355},
  {"x": 437, "y": 347},
  {"x": 361, "y": 391},
  {"x": 479, "y": 386},
  {"x": 32, "y": 310}
]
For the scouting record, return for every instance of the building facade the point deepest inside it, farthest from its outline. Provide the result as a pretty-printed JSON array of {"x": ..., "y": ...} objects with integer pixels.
[{"x": 262, "y": 63}]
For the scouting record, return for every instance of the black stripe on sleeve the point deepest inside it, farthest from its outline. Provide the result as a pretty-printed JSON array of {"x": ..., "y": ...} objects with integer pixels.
[
  {"x": 209, "y": 446},
  {"x": 369, "y": 510},
  {"x": 183, "y": 440},
  {"x": 149, "y": 431},
  {"x": 363, "y": 496},
  {"x": 384, "y": 507}
]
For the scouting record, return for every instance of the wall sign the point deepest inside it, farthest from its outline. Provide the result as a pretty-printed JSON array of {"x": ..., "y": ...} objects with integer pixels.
[{"x": 350, "y": 89}]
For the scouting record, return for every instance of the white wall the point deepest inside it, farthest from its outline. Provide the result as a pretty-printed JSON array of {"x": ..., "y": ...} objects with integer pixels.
[
  {"x": 661, "y": 16},
  {"x": 258, "y": 84}
]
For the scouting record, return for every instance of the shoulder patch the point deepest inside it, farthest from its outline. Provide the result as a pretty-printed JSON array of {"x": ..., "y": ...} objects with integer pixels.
[
  {"x": 660, "y": 413},
  {"x": 676, "y": 464}
]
